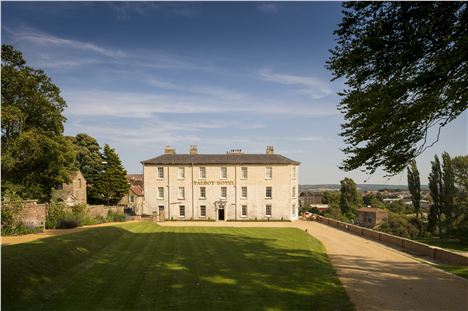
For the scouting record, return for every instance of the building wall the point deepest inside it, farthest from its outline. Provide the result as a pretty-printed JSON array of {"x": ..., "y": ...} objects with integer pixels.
[
  {"x": 77, "y": 187},
  {"x": 282, "y": 184}
]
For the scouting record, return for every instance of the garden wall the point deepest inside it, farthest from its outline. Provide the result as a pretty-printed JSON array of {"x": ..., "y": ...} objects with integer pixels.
[
  {"x": 101, "y": 210},
  {"x": 33, "y": 214},
  {"x": 407, "y": 245}
]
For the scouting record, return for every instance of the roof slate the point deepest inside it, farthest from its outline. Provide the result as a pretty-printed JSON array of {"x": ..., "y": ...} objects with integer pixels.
[{"x": 177, "y": 159}]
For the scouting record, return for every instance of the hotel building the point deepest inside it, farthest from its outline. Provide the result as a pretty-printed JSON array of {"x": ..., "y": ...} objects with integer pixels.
[{"x": 231, "y": 186}]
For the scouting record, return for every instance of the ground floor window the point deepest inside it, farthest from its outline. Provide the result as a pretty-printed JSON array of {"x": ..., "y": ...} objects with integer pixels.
[
  {"x": 268, "y": 211},
  {"x": 181, "y": 210},
  {"x": 244, "y": 211},
  {"x": 202, "y": 210}
]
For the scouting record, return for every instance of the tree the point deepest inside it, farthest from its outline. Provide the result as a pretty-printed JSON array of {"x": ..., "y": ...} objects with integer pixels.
[
  {"x": 111, "y": 184},
  {"x": 405, "y": 68},
  {"x": 414, "y": 186},
  {"x": 35, "y": 154},
  {"x": 449, "y": 193},
  {"x": 88, "y": 156},
  {"x": 350, "y": 198},
  {"x": 460, "y": 170},
  {"x": 436, "y": 190},
  {"x": 373, "y": 200},
  {"x": 332, "y": 198}
]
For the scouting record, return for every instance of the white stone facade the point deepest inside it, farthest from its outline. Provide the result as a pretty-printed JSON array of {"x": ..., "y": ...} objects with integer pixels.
[{"x": 175, "y": 191}]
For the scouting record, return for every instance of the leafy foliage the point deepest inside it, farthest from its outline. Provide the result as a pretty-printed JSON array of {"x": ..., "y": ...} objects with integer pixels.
[
  {"x": 405, "y": 66},
  {"x": 350, "y": 199},
  {"x": 35, "y": 155},
  {"x": 436, "y": 189},
  {"x": 11, "y": 210},
  {"x": 55, "y": 213},
  {"x": 88, "y": 156},
  {"x": 398, "y": 225}
]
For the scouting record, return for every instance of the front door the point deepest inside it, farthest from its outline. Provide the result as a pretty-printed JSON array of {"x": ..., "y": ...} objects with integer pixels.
[
  {"x": 161, "y": 213},
  {"x": 220, "y": 214}
]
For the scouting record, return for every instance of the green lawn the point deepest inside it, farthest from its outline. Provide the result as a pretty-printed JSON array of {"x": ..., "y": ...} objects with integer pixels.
[
  {"x": 457, "y": 270},
  {"x": 450, "y": 244},
  {"x": 142, "y": 266}
]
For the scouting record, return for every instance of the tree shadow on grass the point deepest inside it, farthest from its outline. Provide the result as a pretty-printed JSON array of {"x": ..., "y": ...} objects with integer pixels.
[{"x": 111, "y": 268}]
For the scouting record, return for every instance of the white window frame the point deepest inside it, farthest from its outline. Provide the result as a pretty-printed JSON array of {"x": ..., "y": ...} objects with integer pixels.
[
  {"x": 294, "y": 172},
  {"x": 160, "y": 173},
  {"x": 180, "y": 210},
  {"x": 294, "y": 191},
  {"x": 246, "y": 192},
  {"x": 242, "y": 210},
  {"x": 223, "y": 189},
  {"x": 202, "y": 172},
  {"x": 266, "y": 192},
  {"x": 266, "y": 210},
  {"x": 159, "y": 193},
  {"x": 294, "y": 210},
  {"x": 181, "y": 173},
  {"x": 268, "y": 172},
  {"x": 244, "y": 172},
  {"x": 223, "y": 172},
  {"x": 202, "y": 197},
  {"x": 181, "y": 193},
  {"x": 204, "y": 206}
]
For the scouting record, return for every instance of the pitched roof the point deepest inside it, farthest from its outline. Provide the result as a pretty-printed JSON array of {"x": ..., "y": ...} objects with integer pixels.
[
  {"x": 168, "y": 159},
  {"x": 137, "y": 190},
  {"x": 371, "y": 210}
]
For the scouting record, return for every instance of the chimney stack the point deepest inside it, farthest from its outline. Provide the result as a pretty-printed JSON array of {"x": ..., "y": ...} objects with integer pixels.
[
  {"x": 169, "y": 150},
  {"x": 193, "y": 149},
  {"x": 270, "y": 150}
]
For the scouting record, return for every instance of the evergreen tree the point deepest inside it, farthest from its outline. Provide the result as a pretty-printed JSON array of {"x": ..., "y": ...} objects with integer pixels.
[
  {"x": 88, "y": 156},
  {"x": 414, "y": 186},
  {"x": 111, "y": 184},
  {"x": 350, "y": 198},
  {"x": 436, "y": 190},
  {"x": 449, "y": 193}
]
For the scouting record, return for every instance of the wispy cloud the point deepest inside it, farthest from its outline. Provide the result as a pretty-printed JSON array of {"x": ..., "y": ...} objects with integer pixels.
[
  {"x": 45, "y": 39},
  {"x": 268, "y": 8},
  {"x": 310, "y": 86},
  {"x": 146, "y": 105}
]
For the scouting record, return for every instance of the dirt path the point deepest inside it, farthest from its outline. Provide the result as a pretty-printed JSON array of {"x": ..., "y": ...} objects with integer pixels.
[
  {"x": 377, "y": 277},
  {"x": 10, "y": 240}
]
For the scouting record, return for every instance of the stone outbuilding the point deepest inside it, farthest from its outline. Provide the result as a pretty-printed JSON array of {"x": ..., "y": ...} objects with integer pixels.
[
  {"x": 371, "y": 217},
  {"x": 72, "y": 193}
]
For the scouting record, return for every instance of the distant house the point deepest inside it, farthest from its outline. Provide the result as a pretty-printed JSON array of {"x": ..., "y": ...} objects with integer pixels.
[
  {"x": 72, "y": 193},
  {"x": 371, "y": 217},
  {"x": 310, "y": 198},
  {"x": 133, "y": 199},
  {"x": 135, "y": 179}
]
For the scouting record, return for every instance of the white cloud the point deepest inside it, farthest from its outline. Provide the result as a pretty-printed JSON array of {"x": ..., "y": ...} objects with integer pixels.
[
  {"x": 310, "y": 86},
  {"x": 268, "y": 8}
]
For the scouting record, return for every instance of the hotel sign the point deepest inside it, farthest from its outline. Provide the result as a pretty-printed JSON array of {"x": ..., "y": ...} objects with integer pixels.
[{"x": 213, "y": 182}]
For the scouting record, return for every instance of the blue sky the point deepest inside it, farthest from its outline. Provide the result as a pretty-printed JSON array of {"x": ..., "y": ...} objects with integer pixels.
[{"x": 140, "y": 76}]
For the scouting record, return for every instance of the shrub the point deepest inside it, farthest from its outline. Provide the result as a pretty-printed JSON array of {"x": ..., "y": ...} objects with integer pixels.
[
  {"x": 20, "y": 229},
  {"x": 115, "y": 217},
  {"x": 11, "y": 211},
  {"x": 69, "y": 221},
  {"x": 398, "y": 225},
  {"x": 55, "y": 213}
]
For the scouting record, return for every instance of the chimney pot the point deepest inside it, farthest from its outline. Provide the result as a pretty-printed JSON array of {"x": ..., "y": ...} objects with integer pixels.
[
  {"x": 193, "y": 149},
  {"x": 169, "y": 150},
  {"x": 270, "y": 150}
]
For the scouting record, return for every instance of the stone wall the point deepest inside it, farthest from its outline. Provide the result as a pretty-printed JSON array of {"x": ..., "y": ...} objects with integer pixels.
[
  {"x": 403, "y": 244},
  {"x": 33, "y": 214},
  {"x": 102, "y": 210}
]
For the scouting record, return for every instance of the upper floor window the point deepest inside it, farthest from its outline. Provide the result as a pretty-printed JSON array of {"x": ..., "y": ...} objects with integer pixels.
[
  {"x": 79, "y": 182},
  {"x": 160, "y": 192},
  {"x": 243, "y": 172},
  {"x": 268, "y": 193},
  {"x": 181, "y": 173},
  {"x": 202, "y": 172},
  {"x": 223, "y": 192},
  {"x": 294, "y": 172},
  {"x": 293, "y": 192},
  {"x": 223, "y": 172},
  {"x": 160, "y": 172},
  {"x": 181, "y": 194},
  {"x": 244, "y": 192},
  {"x": 202, "y": 192},
  {"x": 132, "y": 198},
  {"x": 268, "y": 172}
]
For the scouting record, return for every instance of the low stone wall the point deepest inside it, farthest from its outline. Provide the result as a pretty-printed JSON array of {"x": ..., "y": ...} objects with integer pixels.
[
  {"x": 33, "y": 214},
  {"x": 408, "y": 245},
  {"x": 102, "y": 210}
]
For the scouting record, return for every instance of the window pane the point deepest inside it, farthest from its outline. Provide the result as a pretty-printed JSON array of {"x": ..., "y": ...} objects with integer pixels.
[
  {"x": 181, "y": 174},
  {"x": 244, "y": 192},
  {"x": 223, "y": 192},
  {"x": 202, "y": 192},
  {"x": 160, "y": 172},
  {"x": 202, "y": 172},
  {"x": 244, "y": 210},
  {"x": 202, "y": 210},
  {"x": 268, "y": 192},
  {"x": 268, "y": 210},
  {"x": 244, "y": 173},
  {"x": 182, "y": 211},
  {"x": 268, "y": 172},
  {"x": 224, "y": 172}
]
